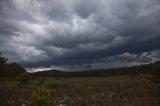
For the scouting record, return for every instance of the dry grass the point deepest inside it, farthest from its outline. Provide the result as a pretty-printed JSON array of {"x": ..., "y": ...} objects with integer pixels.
[{"x": 105, "y": 91}]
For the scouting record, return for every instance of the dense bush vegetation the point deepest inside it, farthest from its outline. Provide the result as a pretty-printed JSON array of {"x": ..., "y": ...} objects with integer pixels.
[
  {"x": 155, "y": 73},
  {"x": 41, "y": 95},
  {"x": 156, "y": 70},
  {"x": 9, "y": 69}
]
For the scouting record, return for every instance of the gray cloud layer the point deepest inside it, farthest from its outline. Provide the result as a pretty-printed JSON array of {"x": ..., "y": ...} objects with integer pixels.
[{"x": 77, "y": 32}]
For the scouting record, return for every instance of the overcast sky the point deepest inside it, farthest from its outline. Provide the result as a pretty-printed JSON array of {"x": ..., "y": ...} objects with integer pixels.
[{"x": 79, "y": 34}]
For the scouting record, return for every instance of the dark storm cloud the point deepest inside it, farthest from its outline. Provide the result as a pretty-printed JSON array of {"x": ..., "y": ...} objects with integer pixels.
[
  {"x": 128, "y": 59},
  {"x": 77, "y": 32}
]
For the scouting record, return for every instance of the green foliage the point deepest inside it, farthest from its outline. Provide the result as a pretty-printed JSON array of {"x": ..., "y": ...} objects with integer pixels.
[
  {"x": 9, "y": 78},
  {"x": 152, "y": 78},
  {"x": 155, "y": 73},
  {"x": 56, "y": 85},
  {"x": 156, "y": 70},
  {"x": 41, "y": 95},
  {"x": 24, "y": 78}
]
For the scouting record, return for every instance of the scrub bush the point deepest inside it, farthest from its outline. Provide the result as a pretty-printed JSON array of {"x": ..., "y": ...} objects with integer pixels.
[{"x": 40, "y": 96}]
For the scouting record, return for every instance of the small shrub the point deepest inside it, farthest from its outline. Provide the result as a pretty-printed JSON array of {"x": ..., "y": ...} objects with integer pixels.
[
  {"x": 41, "y": 81},
  {"x": 152, "y": 78},
  {"x": 41, "y": 95},
  {"x": 24, "y": 78},
  {"x": 31, "y": 81},
  {"x": 56, "y": 85}
]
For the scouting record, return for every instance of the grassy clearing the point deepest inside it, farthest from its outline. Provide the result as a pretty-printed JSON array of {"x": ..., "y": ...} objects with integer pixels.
[{"x": 93, "y": 91}]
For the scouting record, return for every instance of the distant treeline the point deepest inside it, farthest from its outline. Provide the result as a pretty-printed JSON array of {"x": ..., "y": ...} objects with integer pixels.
[
  {"x": 123, "y": 71},
  {"x": 14, "y": 69}
]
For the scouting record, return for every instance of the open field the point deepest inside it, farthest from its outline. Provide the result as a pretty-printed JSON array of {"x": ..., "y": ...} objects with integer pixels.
[{"x": 93, "y": 91}]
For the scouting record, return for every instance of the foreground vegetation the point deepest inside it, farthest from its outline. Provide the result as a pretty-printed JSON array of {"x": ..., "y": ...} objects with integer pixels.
[{"x": 94, "y": 91}]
